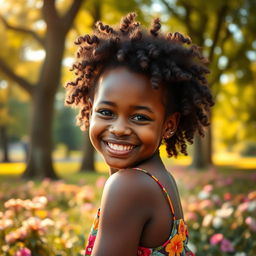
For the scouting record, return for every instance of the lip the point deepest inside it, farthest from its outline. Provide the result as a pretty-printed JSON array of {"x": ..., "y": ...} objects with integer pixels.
[{"x": 119, "y": 152}]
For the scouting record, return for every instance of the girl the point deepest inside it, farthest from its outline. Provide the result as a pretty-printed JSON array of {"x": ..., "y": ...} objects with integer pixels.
[{"x": 137, "y": 89}]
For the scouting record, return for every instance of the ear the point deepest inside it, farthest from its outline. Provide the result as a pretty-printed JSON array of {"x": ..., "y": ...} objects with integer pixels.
[{"x": 171, "y": 125}]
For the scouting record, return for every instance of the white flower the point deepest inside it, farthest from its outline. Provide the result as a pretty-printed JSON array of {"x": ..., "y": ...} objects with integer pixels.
[
  {"x": 203, "y": 194},
  {"x": 224, "y": 212},
  {"x": 217, "y": 222},
  {"x": 240, "y": 254},
  {"x": 207, "y": 220},
  {"x": 252, "y": 206},
  {"x": 47, "y": 222}
]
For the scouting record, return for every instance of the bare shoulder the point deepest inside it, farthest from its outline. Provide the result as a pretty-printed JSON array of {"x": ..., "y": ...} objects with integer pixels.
[
  {"x": 124, "y": 214},
  {"x": 128, "y": 186}
]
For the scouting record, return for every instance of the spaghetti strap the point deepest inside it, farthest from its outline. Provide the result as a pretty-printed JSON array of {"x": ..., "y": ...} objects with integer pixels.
[{"x": 163, "y": 189}]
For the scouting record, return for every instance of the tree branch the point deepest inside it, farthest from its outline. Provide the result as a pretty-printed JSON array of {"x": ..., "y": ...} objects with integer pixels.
[
  {"x": 23, "y": 30},
  {"x": 68, "y": 18},
  {"x": 172, "y": 11},
  {"x": 27, "y": 86},
  {"x": 218, "y": 28}
]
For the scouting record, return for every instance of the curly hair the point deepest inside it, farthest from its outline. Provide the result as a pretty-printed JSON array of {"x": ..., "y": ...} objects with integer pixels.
[{"x": 167, "y": 59}]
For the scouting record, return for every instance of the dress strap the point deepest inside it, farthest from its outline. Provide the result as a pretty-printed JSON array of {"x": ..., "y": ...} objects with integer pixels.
[{"x": 163, "y": 189}]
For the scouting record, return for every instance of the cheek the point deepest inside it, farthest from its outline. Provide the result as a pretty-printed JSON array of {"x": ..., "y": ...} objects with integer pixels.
[
  {"x": 94, "y": 131},
  {"x": 151, "y": 136}
]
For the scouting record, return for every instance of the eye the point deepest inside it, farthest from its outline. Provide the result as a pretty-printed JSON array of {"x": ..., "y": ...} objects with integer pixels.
[
  {"x": 105, "y": 112},
  {"x": 141, "y": 118}
]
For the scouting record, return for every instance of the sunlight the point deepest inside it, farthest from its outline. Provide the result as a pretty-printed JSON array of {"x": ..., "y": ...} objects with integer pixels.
[{"x": 34, "y": 55}]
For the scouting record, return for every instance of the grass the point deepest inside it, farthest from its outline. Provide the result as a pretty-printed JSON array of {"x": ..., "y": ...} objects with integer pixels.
[{"x": 226, "y": 163}]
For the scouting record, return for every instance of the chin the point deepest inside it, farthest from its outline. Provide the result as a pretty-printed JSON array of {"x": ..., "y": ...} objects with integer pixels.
[{"x": 119, "y": 165}]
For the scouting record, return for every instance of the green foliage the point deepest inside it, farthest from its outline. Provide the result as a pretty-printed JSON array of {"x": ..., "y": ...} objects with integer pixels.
[
  {"x": 229, "y": 42},
  {"x": 65, "y": 129}
]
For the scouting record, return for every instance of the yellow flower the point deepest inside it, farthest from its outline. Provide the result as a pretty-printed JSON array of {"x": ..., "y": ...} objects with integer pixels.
[
  {"x": 182, "y": 230},
  {"x": 175, "y": 246}
]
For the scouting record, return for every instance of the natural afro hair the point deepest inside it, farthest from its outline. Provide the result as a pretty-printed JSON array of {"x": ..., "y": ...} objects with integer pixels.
[{"x": 167, "y": 59}]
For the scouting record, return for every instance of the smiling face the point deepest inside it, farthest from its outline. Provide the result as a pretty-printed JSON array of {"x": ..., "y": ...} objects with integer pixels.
[{"x": 127, "y": 118}]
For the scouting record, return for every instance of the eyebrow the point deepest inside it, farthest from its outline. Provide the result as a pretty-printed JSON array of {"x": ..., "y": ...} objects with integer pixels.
[{"x": 110, "y": 103}]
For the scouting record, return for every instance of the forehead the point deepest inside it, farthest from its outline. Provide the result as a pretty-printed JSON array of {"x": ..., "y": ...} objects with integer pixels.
[{"x": 122, "y": 84}]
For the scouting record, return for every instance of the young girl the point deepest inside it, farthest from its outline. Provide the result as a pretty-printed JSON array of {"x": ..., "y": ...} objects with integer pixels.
[{"x": 137, "y": 89}]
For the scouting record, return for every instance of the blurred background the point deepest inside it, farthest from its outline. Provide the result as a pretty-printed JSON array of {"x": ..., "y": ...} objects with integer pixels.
[
  {"x": 39, "y": 138},
  {"x": 37, "y": 52}
]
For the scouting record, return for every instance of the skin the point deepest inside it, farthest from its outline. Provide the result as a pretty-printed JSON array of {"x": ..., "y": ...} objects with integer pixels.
[{"x": 127, "y": 123}]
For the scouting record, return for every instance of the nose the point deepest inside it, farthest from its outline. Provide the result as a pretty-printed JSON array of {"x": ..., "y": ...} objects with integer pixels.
[{"x": 120, "y": 127}]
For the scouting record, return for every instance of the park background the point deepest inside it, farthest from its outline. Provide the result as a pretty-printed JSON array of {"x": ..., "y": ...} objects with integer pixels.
[{"x": 50, "y": 177}]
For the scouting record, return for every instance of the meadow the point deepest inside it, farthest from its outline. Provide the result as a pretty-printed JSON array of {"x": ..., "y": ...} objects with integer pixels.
[{"x": 54, "y": 217}]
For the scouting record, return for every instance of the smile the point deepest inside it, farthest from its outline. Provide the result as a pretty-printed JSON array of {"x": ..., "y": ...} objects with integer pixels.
[{"x": 119, "y": 149}]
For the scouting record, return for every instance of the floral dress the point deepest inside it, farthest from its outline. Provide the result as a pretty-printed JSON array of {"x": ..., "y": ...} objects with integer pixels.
[{"x": 176, "y": 244}]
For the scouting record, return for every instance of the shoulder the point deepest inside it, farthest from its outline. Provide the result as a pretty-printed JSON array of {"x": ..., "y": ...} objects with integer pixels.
[
  {"x": 124, "y": 214},
  {"x": 130, "y": 182},
  {"x": 128, "y": 189}
]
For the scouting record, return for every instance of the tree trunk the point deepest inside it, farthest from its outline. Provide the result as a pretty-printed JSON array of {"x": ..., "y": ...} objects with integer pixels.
[
  {"x": 4, "y": 138},
  {"x": 88, "y": 150},
  {"x": 202, "y": 152},
  {"x": 88, "y": 163},
  {"x": 40, "y": 163},
  {"x": 209, "y": 150},
  {"x": 199, "y": 159}
]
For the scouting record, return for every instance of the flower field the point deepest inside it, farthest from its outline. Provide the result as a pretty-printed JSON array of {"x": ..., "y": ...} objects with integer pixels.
[{"x": 54, "y": 217}]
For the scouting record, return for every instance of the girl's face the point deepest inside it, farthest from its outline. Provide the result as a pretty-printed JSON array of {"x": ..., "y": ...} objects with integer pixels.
[{"x": 127, "y": 118}]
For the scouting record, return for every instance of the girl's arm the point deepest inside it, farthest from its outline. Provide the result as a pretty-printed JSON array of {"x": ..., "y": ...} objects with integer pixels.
[{"x": 124, "y": 212}]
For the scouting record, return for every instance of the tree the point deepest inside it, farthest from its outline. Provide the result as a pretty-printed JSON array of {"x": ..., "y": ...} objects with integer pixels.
[
  {"x": 44, "y": 89},
  {"x": 212, "y": 26},
  {"x": 4, "y": 119}
]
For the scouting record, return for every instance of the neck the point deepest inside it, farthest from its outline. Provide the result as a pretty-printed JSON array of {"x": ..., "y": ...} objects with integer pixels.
[{"x": 153, "y": 163}]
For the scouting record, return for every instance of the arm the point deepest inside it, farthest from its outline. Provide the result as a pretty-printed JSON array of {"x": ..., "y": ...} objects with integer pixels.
[{"x": 124, "y": 213}]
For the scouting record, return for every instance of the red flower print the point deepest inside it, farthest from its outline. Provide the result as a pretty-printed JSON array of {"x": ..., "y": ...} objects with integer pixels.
[
  {"x": 90, "y": 243},
  {"x": 182, "y": 230},
  {"x": 142, "y": 251},
  {"x": 190, "y": 254}
]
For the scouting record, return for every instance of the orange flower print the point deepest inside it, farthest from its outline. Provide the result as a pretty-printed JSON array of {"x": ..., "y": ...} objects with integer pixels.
[
  {"x": 175, "y": 246},
  {"x": 182, "y": 230},
  {"x": 96, "y": 224}
]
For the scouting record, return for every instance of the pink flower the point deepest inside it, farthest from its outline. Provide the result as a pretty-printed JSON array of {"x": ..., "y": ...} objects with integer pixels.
[
  {"x": 191, "y": 216},
  {"x": 101, "y": 182},
  {"x": 216, "y": 238},
  {"x": 226, "y": 246},
  {"x": 251, "y": 223},
  {"x": 243, "y": 207},
  {"x": 23, "y": 252},
  {"x": 142, "y": 251},
  {"x": 208, "y": 188},
  {"x": 205, "y": 204}
]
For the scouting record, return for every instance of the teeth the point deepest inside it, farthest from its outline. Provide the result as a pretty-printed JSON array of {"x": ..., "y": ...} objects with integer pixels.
[{"x": 120, "y": 147}]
